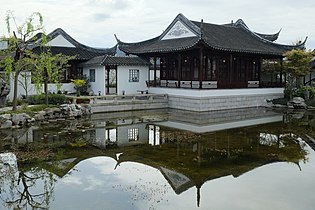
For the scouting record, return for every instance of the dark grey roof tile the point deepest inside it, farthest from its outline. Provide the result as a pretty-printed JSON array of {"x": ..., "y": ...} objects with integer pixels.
[
  {"x": 235, "y": 37},
  {"x": 124, "y": 61}
]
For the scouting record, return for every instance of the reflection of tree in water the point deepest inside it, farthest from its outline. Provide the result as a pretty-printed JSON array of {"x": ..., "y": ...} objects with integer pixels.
[
  {"x": 20, "y": 190},
  {"x": 152, "y": 192}
]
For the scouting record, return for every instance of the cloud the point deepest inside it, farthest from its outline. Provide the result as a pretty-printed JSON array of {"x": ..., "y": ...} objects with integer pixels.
[
  {"x": 123, "y": 4},
  {"x": 134, "y": 20},
  {"x": 100, "y": 17}
]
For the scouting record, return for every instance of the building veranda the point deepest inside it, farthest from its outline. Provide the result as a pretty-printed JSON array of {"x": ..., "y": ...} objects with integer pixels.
[
  {"x": 204, "y": 66},
  {"x": 199, "y": 55}
]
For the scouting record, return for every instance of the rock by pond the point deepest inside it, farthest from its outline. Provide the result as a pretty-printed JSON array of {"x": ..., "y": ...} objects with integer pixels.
[
  {"x": 4, "y": 91},
  {"x": 64, "y": 111},
  {"x": 297, "y": 103}
]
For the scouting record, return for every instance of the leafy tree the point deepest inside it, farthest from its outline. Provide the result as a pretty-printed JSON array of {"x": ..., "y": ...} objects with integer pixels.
[
  {"x": 297, "y": 65},
  {"x": 47, "y": 67},
  {"x": 19, "y": 56},
  {"x": 16, "y": 57},
  {"x": 25, "y": 82}
]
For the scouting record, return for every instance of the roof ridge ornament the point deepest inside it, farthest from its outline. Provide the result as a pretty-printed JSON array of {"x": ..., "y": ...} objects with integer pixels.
[
  {"x": 240, "y": 22},
  {"x": 118, "y": 40},
  {"x": 180, "y": 27},
  {"x": 201, "y": 29}
]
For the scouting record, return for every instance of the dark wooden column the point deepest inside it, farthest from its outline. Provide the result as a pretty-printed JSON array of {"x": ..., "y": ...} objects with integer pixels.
[
  {"x": 116, "y": 73},
  {"x": 230, "y": 71},
  {"x": 201, "y": 69},
  {"x": 154, "y": 67},
  {"x": 179, "y": 70},
  {"x": 260, "y": 69},
  {"x": 281, "y": 71},
  {"x": 107, "y": 72}
]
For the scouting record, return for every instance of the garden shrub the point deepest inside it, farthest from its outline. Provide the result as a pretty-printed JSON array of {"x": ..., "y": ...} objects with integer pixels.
[
  {"x": 54, "y": 99},
  {"x": 300, "y": 92},
  {"x": 281, "y": 101},
  {"x": 310, "y": 102}
]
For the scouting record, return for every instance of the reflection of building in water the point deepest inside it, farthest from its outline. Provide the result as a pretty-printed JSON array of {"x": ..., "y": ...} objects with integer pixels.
[
  {"x": 187, "y": 159},
  {"x": 200, "y": 150},
  {"x": 123, "y": 135},
  {"x": 154, "y": 135},
  {"x": 201, "y": 122},
  {"x": 179, "y": 182}
]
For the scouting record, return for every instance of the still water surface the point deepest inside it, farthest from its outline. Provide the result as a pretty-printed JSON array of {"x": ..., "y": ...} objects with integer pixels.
[{"x": 165, "y": 159}]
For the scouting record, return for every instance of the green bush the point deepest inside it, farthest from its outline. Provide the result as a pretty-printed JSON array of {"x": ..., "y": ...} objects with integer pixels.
[
  {"x": 53, "y": 99},
  {"x": 281, "y": 101},
  {"x": 310, "y": 102},
  {"x": 300, "y": 92}
]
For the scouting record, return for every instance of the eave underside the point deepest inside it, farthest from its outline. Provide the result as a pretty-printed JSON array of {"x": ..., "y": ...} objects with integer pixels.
[{"x": 184, "y": 44}]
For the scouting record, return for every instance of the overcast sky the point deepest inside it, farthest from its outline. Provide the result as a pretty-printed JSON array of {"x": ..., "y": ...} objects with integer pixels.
[{"x": 94, "y": 22}]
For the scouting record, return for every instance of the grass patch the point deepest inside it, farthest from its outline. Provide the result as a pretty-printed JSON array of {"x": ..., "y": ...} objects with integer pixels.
[{"x": 30, "y": 110}]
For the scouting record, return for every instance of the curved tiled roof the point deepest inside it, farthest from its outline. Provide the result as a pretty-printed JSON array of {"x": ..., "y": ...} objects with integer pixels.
[
  {"x": 80, "y": 51},
  {"x": 230, "y": 37},
  {"x": 239, "y": 39},
  {"x": 157, "y": 45},
  {"x": 124, "y": 61},
  {"x": 117, "y": 60},
  {"x": 270, "y": 37}
]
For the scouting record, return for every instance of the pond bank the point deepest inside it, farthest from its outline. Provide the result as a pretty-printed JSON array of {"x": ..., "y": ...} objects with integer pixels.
[{"x": 64, "y": 111}]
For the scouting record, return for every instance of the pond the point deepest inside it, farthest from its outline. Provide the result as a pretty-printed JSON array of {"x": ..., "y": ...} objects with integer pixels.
[{"x": 162, "y": 159}]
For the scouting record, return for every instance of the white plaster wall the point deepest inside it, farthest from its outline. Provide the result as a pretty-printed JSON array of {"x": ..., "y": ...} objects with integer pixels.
[
  {"x": 178, "y": 26},
  {"x": 99, "y": 84},
  {"x": 209, "y": 100},
  {"x": 123, "y": 134},
  {"x": 131, "y": 87},
  {"x": 60, "y": 41},
  {"x": 215, "y": 92},
  {"x": 32, "y": 90}
]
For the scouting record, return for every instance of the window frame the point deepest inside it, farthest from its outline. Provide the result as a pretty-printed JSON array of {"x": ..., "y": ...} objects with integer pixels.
[
  {"x": 134, "y": 75},
  {"x": 92, "y": 79}
]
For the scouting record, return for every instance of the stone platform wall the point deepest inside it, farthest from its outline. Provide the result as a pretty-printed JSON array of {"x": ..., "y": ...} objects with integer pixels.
[
  {"x": 212, "y": 103},
  {"x": 129, "y": 105},
  {"x": 210, "y": 100}
]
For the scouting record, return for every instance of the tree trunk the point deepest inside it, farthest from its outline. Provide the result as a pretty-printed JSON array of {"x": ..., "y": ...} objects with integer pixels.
[
  {"x": 16, "y": 80},
  {"x": 299, "y": 82},
  {"x": 15, "y": 87},
  {"x": 46, "y": 88},
  {"x": 46, "y": 91}
]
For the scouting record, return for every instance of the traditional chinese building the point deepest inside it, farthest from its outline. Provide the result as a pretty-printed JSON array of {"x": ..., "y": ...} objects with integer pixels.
[
  {"x": 203, "y": 58},
  {"x": 62, "y": 43}
]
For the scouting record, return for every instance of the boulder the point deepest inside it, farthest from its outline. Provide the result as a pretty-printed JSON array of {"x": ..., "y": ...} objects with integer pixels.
[
  {"x": 6, "y": 116},
  {"x": 71, "y": 110},
  {"x": 4, "y": 91},
  {"x": 53, "y": 111},
  {"x": 40, "y": 115},
  {"x": 5, "y": 121},
  {"x": 6, "y": 124},
  {"x": 86, "y": 110},
  {"x": 20, "y": 119},
  {"x": 297, "y": 103}
]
